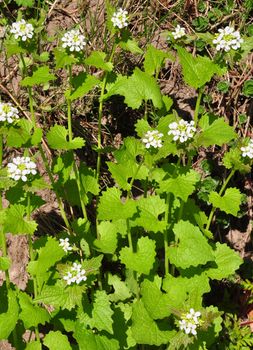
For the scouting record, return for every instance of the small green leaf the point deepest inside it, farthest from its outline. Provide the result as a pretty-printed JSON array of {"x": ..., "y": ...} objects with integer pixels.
[
  {"x": 121, "y": 291},
  {"x": 57, "y": 139},
  {"x": 154, "y": 60},
  {"x": 16, "y": 223},
  {"x": 143, "y": 260},
  {"x": 40, "y": 76},
  {"x": 107, "y": 237},
  {"x": 92, "y": 265},
  {"x": 63, "y": 58},
  {"x": 26, "y": 3},
  {"x": 129, "y": 44},
  {"x": 111, "y": 207},
  {"x": 5, "y": 263},
  {"x": 56, "y": 340},
  {"x": 82, "y": 84},
  {"x": 199, "y": 70},
  {"x": 230, "y": 202},
  {"x": 247, "y": 89},
  {"x": 8, "y": 320},
  {"x": 137, "y": 88},
  {"x": 233, "y": 160},
  {"x": 34, "y": 345},
  {"x": 144, "y": 328},
  {"x": 192, "y": 248},
  {"x": 97, "y": 59},
  {"x": 31, "y": 315}
]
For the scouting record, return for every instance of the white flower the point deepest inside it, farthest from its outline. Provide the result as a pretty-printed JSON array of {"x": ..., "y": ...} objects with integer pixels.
[
  {"x": 73, "y": 40},
  {"x": 247, "y": 151},
  {"x": 75, "y": 275},
  {"x": 190, "y": 322},
  {"x": 20, "y": 167},
  {"x": 8, "y": 112},
  {"x": 22, "y": 29},
  {"x": 227, "y": 39},
  {"x": 120, "y": 18},
  {"x": 153, "y": 138},
  {"x": 182, "y": 130},
  {"x": 179, "y": 32},
  {"x": 64, "y": 243}
]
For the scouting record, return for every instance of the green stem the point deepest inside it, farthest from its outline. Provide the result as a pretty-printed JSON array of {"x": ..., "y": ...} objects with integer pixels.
[
  {"x": 196, "y": 112},
  {"x": 210, "y": 218},
  {"x": 166, "y": 235}
]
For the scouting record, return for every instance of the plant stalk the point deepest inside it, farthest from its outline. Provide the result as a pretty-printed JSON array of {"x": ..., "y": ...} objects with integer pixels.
[{"x": 196, "y": 112}]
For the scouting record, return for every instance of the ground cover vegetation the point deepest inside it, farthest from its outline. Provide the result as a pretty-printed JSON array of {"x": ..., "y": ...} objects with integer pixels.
[{"x": 138, "y": 249}]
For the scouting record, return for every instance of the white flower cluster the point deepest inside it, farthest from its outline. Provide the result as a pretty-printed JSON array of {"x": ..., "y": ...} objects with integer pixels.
[
  {"x": 65, "y": 245},
  {"x": 182, "y": 130},
  {"x": 8, "y": 113},
  {"x": 120, "y": 18},
  {"x": 20, "y": 167},
  {"x": 73, "y": 40},
  {"x": 190, "y": 322},
  {"x": 153, "y": 138},
  {"x": 227, "y": 39},
  {"x": 247, "y": 151},
  {"x": 179, "y": 32},
  {"x": 22, "y": 29},
  {"x": 75, "y": 275}
]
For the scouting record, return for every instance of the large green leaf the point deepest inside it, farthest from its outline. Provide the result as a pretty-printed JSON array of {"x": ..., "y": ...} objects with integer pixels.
[
  {"x": 82, "y": 84},
  {"x": 192, "y": 248},
  {"x": 107, "y": 237},
  {"x": 137, "y": 88},
  {"x": 97, "y": 59},
  {"x": 15, "y": 221},
  {"x": 144, "y": 328},
  {"x": 31, "y": 315},
  {"x": 121, "y": 291},
  {"x": 40, "y": 76},
  {"x": 233, "y": 160},
  {"x": 111, "y": 207},
  {"x": 227, "y": 262},
  {"x": 57, "y": 139},
  {"x": 154, "y": 60},
  {"x": 143, "y": 259},
  {"x": 8, "y": 320},
  {"x": 63, "y": 58},
  {"x": 229, "y": 202},
  {"x": 197, "y": 71},
  {"x": 34, "y": 345},
  {"x": 56, "y": 340}
]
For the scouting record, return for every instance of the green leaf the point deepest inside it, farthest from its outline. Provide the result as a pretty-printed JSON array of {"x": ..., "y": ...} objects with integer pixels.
[
  {"x": 227, "y": 261},
  {"x": 111, "y": 207},
  {"x": 229, "y": 202},
  {"x": 5, "y": 181},
  {"x": 137, "y": 88},
  {"x": 89, "y": 182},
  {"x": 33, "y": 345},
  {"x": 40, "y": 76},
  {"x": 63, "y": 58},
  {"x": 197, "y": 71},
  {"x": 144, "y": 328},
  {"x": 154, "y": 60},
  {"x": 31, "y": 315},
  {"x": 57, "y": 139},
  {"x": 82, "y": 84},
  {"x": 48, "y": 255},
  {"x": 16, "y": 223},
  {"x": 182, "y": 185},
  {"x": 218, "y": 133},
  {"x": 192, "y": 248},
  {"x": 143, "y": 260},
  {"x": 5, "y": 263},
  {"x": 26, "y": 3},
  {"x": 97, "y": 59},
  {"x": 107, "y": 237},
  {"x": 148, "y": 217},
  {"x": 129, "y": 44},
  {"x": 155, "y": 301},
  {"x": 56, "y": 340},
  {"x": 92, "y": 265},
  {"x": 247, "y": 89},
  {"x": 87, "y": 339},
  {"x": 121, "y": 291},
  {"x": 8, "y": 320},
  {"x": 22, "y": 134},
  {"x": 233, "y": 160},
  {"x": 129, "y": 150}
]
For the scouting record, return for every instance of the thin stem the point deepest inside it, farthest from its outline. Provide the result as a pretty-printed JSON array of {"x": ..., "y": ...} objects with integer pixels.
[
  {"x": 220, "y": 193},
  {"x": 196, "y": 112},
  {"x": 80, "y": 190},
  {"x": 166, "y": 235}
]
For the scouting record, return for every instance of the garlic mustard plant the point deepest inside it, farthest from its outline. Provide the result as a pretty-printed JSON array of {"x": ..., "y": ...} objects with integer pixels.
[
  {"x": 8, "y": 113},
  {"x": 22, "y": 30},
  {"x": 179, "y": 32},
  {"x": 64, "y": 243},
  {"x": 153, "y": 139},
  {"x": 20, "y": 168},
  {"x": 182, "y": 131},
  {"x": 189, "y": 322},
  {"x": 120, "y": 18},
  {"x": 73, "y": 40},
  {"x": 247, "y": 151},
  {"x": 75, "y": 275},
  {"x": 227, "y": 39}
]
